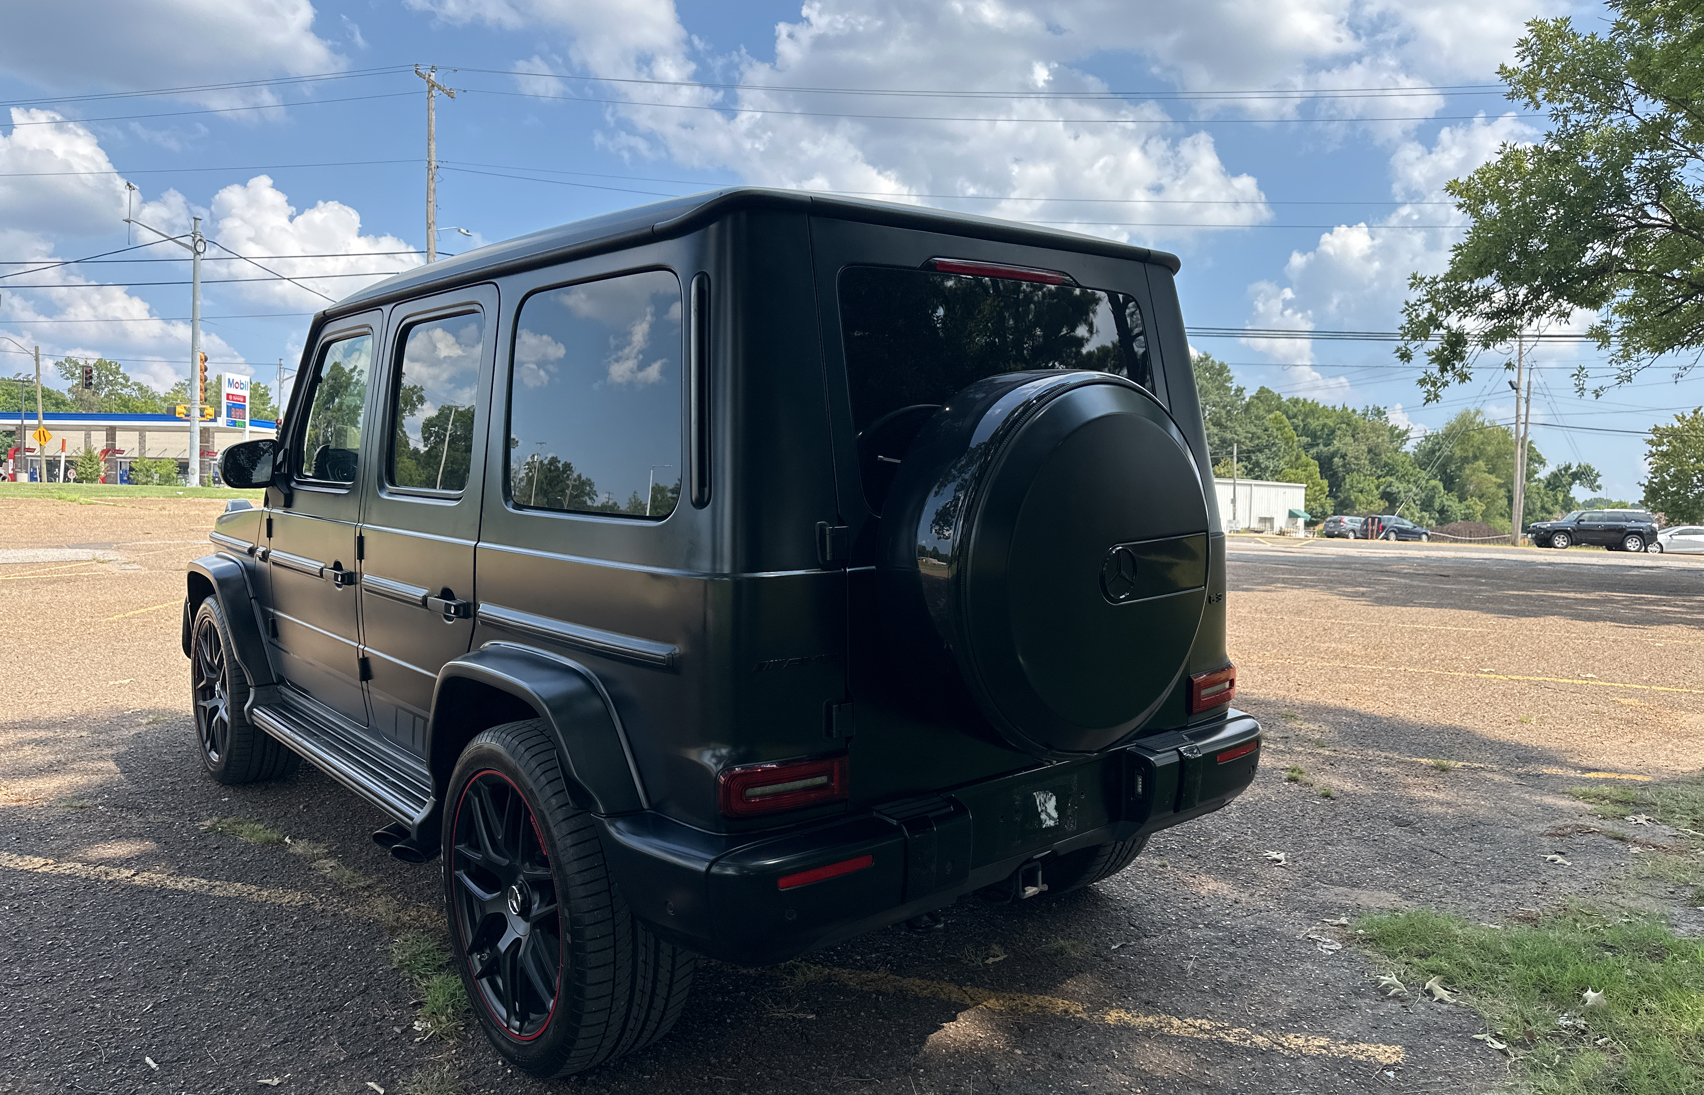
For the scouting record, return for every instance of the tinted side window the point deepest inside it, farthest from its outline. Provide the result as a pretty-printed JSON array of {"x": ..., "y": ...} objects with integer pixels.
[
  {"x": 331, "y": 437},
  {"x": 595, "y": 398},
  {"x": 433, "y": 403},
  {"x": 918, "y": 336}
]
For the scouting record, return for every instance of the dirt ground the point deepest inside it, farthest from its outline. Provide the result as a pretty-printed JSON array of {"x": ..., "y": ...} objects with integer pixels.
[{"x": 140, "y": 951}]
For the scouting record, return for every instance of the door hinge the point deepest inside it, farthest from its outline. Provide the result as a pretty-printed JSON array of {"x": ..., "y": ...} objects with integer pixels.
[
  {"x": 360, "y": 547},
  {"x": 365, "y": 666},
  {"x": 834, "y": 544}
]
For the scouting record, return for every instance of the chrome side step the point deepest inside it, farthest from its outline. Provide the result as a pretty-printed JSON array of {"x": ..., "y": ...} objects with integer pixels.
[{"x": 391, "y": 779}]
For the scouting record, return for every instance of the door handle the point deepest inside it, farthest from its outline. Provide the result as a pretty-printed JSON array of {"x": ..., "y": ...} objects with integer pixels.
[
  {"x": 339, "y": 577},
  {"x": 451, "y": 607}
]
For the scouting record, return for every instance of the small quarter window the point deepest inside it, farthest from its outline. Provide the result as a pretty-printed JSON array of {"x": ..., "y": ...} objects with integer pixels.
[
  {"x": 331, "y": 438},
  {"x": 433, "y": 403},
  {"x": 595, "y": 398}
]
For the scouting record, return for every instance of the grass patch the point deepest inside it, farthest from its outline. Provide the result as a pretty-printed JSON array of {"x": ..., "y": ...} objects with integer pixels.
[
  {"x": 1297, "y": 774},
  {"x": 1676, "y": 802},
  {"x": 1527, "y": 981},
  {"x": 1443, "y": 765},
  {"x": 418, "y": 955},
  {"x": 1066, "y": 948},
  {"x": 244, "y": 828},
  {"x": 429, "y": 1080},
  {"x": 444, "y": 1007},
  {"x": 1326, "y": 792},
  {"x": 107, "y": 492},
  {"x": 1289, "y": 716}
]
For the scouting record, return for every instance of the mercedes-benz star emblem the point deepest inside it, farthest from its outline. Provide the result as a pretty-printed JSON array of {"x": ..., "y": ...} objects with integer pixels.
[{"x": 1118, "y": 575}]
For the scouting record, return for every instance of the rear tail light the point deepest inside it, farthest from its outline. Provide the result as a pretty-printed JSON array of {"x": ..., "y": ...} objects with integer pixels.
[
  {"x": 999, "y": 270},
  {"x": 1237, "y": 752},
  {"x": 785, "y": 785},
  {"x": 817, "y": 874},
  {"x": 1210, "y": 690}
]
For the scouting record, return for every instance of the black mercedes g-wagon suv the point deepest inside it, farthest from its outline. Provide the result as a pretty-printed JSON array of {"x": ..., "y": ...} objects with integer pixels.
[{"x": 731, "y": 576}]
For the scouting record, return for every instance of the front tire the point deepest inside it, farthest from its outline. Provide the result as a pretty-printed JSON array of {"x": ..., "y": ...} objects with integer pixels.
[
  {"x": 1425, "y": 538},
  {"x": 1656, "y": 547},
  {"x": 233, "y": 749},
  {"x": 560, "y": 975},
  {"x": 1560, "y": 540}
]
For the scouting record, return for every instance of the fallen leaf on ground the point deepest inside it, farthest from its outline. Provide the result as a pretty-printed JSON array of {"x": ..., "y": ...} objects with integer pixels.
[
  {"x": 1491, "y": 1040},
  {"x": 1392, "y": 986},
  {"x": 996, "y": 953},
  {"x": 1280, "y": 858},
  {"x": 1325, "y": 944},
  {"x": 1340, "y": 921},
  {"x": 1592, "y": 999},
  {"x": 376, "y": 1087},
  {"x": 1639, "y": 819},
  {"x": 1557, "y": 859},
  {"x": 151, "y": 1064},
  {"x": 1439, "y": 993}
]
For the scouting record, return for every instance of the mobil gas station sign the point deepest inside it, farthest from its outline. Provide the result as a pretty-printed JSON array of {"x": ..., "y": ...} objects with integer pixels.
[{"x": 233, "y": 400}]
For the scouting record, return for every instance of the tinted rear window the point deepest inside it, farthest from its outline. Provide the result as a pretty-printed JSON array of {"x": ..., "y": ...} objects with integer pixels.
[{"x": 915, "y": 337}]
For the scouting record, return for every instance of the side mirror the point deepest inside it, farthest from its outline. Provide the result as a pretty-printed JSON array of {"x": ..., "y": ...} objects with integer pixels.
[{"x": 248, "y": 466}]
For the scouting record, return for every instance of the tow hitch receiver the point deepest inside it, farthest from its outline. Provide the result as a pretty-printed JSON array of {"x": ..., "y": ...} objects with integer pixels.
[{"x": 1029, "y": 880}]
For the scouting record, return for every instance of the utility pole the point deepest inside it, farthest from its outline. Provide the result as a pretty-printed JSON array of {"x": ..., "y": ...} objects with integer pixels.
[
  {"x": 1517, "y": 525},
  {"x": 41, "y": 446},
  {"x": 432, "y": 87},
  {"x": 196, "y": 246}
]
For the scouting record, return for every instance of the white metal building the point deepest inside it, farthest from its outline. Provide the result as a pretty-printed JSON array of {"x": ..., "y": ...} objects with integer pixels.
[{"x": 1260, "y": 504}]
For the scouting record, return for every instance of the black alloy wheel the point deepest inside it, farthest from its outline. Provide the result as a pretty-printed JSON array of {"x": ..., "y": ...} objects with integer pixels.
[
  {"x": 233, "y": 749},
  {"x": 211, "y": 695},
  {"x": 505, "y": 904},
  {"x": 560, "y": 973}
]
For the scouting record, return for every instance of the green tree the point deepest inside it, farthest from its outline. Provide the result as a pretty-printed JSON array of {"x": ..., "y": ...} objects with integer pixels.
[
  {"x": 154, "y": 472},
  {"x": 1675, "y": 454},
  {"x": 89, "y": 466},
  {"x": 114, "y": 390},
  {"x": 1299, "y": 467},
  {"x": 1604, "y": 214},
  {"x": 261, "y": 405}
]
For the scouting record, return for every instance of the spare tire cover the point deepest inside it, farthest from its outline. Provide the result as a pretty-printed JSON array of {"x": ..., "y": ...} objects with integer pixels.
[{"x": 1052, "y": 530}]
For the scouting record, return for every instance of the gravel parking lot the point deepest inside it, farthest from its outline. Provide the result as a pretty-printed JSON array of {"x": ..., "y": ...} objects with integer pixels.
[{"x": 1437, "y": 702}]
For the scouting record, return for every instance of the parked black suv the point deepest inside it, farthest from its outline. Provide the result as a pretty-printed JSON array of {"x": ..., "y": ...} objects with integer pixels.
[
  {"x": 1615, "y": 529},
  {"x": 732, "y": 576}
]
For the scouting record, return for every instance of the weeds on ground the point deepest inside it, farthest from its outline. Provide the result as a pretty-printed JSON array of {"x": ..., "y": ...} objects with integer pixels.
[
  {"x": 244, "y": 828},
  {"x": 1066, "y": 948},
  {"x": 1295, "y": 773},
  {"x": 1326, "y": 792},
  {"x": 1443, "y": 765},
  {"x": 1677, "y": 802},
  {"x": 1529, "y": 983},
  {"x": 430, "y": 1080},
  {"x": 443, "y": 1004}
]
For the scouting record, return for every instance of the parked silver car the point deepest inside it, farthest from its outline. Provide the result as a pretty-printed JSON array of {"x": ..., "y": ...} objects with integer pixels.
[{"x": 1681, "y": 539}]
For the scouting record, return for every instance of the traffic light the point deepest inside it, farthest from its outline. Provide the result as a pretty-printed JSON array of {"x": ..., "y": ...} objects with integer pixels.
[
  {"x": 201, "y": 384},
  {"x": 181, "y": 410},
  {"x": 88, "y": 378}
]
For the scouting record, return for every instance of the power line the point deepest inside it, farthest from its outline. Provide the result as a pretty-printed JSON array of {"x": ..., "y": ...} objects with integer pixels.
[
  {"x": 177, "y": 170},
  {"x": 195, "y": 89},
  {"x": 1296, "y": 93},
  {"x": 168, "y": 319},
  {"x": 217, "y": 110},
  {"x": 234, "y": 258},
  {"x": 979, "y": 118},
  {"x": 1343, "y": 336},
  {"x": 205, "y": 281},
  {"x": 73, "y": 262}
]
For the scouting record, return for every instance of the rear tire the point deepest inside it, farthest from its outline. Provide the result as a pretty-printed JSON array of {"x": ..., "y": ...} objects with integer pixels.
[
  {"x": 1086, "y": 866},
  {"x": 1632, "y": 542},
  {"x": 233, "y": 749},
  {"x": 1560, "y": 540},
  {"x": 559, "y": 973}
]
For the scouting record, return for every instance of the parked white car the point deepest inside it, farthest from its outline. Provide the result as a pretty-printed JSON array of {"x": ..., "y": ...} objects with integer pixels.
[{"x": 1681, "y": 539}]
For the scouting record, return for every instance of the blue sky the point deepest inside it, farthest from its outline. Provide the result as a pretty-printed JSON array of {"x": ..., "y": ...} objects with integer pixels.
[{"x": 1291, "y": 151}]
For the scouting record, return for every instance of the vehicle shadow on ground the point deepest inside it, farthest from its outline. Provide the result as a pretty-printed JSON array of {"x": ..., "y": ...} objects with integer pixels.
[
  {"x": 1520, "y": 589},
  {"x": 1203, "y": 929}
]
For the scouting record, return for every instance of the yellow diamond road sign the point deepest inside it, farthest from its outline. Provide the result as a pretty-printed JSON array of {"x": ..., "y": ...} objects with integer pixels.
[{"x": 41, "y": 435}]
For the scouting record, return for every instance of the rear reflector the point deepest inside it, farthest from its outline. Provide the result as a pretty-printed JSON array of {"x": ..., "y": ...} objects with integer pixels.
[
  {"x": 817, "y": 874},
  {"x": 1209, "y": 690},
  {"x": 999, "y": 270},
  {"x": 1237, "y": 752},
  {"x": 785, "y": 785}
]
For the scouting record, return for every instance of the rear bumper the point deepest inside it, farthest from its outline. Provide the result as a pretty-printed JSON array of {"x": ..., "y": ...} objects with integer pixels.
[{"x": 723, "y": 896}]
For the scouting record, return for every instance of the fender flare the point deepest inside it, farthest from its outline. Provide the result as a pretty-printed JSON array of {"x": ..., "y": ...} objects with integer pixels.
[
  {"x": 227, "y": 579},
  {"x": 590, "y": 740}
]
